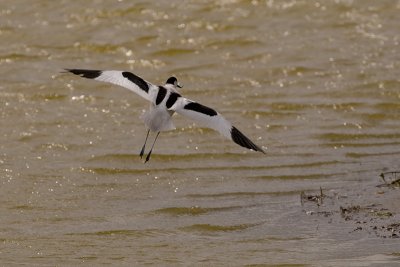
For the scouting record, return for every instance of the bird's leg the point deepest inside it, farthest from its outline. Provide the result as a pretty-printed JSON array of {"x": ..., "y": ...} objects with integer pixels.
[
  {"x": 144, "y": 145},
  {"x": 148, "y": 155}
]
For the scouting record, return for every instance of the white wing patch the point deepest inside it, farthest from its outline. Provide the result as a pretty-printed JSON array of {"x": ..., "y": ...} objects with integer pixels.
[
  {"x": 203, "y": 115},
  {"x": 125, "y": 79},
  {"x": 210, "y": 118}
]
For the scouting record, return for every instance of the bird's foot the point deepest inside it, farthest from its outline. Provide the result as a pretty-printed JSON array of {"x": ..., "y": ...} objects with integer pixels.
[{"x": 148, "y": 157}]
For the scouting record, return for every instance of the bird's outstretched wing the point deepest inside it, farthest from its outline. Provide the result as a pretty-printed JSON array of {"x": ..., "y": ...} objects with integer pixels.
[
  {"x": 210, "y": 118},
  {"x": 125, "y": 79}
]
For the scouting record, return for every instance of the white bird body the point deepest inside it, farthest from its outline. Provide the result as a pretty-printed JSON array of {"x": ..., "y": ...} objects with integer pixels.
[
  {"x": 158, "y": 118},
  {"x": 164, "y": 102}
]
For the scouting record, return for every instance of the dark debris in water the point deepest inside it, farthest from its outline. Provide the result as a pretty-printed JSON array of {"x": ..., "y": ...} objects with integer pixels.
[
  {"x": 318, "y": 199},
  {"x": 372, "y": 219},
  {"x": 393, "y": 181},
  {"x": 387, "y": 231},
  {"x": 349, "y": 213}
]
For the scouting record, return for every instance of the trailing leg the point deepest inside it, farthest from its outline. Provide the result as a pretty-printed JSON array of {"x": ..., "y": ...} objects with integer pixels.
[
  {"x": 151, "y": 150},
  {"x": 144, "y": 145}
]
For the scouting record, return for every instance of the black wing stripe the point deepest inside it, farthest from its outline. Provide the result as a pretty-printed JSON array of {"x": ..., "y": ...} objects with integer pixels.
[
  {"x": 136, "y": 80},
  {"x": 172, "y": 99},
  {"x": 200, "y": 108},
  {"x": 90, "y": 74},
  {"x": 243, "y": 141},
  {"x": 161, "y": 95}
]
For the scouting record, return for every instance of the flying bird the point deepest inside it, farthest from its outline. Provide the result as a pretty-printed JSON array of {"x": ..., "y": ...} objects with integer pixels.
[{"x": 165, "y": 100}]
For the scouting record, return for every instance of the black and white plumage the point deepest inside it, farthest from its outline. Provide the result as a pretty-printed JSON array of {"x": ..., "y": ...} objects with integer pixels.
[{"x": 165, "y": 101}]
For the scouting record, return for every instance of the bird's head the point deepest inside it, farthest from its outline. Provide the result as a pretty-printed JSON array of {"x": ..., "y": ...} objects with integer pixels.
[{"x": 173, "y": 81}]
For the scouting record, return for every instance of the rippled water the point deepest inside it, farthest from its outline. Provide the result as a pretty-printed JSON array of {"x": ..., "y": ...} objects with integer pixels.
[{"x": 314, "y": 82}]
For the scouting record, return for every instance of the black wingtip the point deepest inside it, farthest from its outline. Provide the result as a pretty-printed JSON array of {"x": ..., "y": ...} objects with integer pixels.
[
  {"x": 90, "y": 74},
  {"x": 243, "y": 141}
]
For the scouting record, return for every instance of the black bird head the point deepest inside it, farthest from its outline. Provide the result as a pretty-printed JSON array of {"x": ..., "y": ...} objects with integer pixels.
[{"x": 172, "y": 80}]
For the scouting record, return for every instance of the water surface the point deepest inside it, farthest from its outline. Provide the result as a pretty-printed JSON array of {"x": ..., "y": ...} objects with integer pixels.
[{"x": 314, "y": 82}]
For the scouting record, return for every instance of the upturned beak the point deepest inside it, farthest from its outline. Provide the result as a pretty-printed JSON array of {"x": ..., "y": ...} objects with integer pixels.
[{"x": 178, "y": 85}]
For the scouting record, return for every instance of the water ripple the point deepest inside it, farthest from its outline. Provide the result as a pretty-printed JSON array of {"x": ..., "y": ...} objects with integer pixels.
[{"x": 211, "y": 228}]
